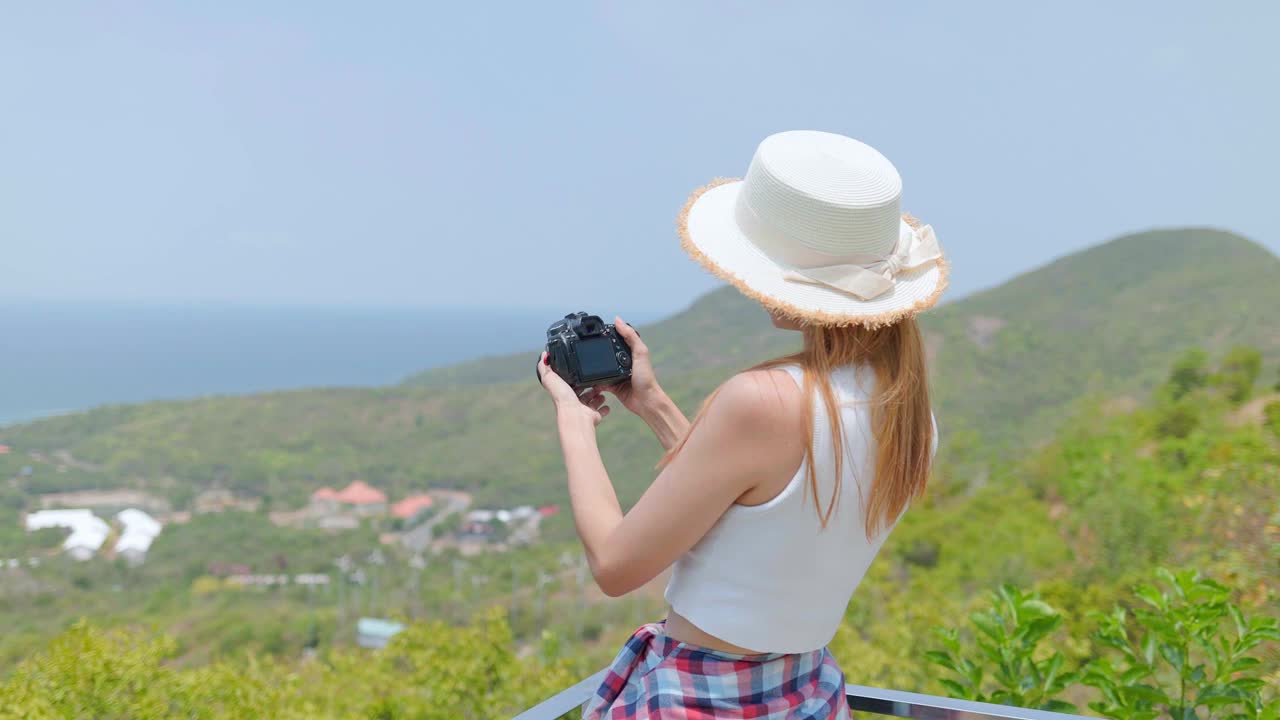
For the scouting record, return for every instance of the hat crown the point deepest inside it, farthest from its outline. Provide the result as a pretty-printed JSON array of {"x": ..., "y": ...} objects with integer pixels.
[{"x": 831, "y": 195}]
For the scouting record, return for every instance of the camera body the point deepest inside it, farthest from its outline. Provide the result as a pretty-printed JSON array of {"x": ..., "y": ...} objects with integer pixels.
[{"x": 586, "y": 351}]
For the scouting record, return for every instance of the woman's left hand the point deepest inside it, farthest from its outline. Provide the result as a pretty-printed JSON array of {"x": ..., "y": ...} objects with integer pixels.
[{"x": 590, "y": 402}]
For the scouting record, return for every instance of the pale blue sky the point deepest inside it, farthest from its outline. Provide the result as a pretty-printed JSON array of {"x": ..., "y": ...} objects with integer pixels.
[{"x": 537, "y": 153}]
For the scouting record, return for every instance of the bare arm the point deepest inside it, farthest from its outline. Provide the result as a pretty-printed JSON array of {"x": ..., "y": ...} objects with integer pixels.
[
  {"x": 666, "y": 420},
  {"x": 737, "y": 447}
]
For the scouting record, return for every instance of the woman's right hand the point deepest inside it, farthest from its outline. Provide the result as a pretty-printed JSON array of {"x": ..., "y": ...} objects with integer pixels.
[{"x": 641, "y": 392}]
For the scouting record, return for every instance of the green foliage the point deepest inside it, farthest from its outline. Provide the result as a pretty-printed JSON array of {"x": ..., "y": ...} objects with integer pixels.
[
  {"x": 1238, "y": 372},
  {"x": 430, "y": 671},
  {"x": 46, "y": 538},
  {"x": 1005, "y": 669},
  {"x": 1190, "y": 372},
  {"x": 16, "y": 541},
  {"x": 89, "y": 673},
  {"x": 1188, "y": 654},
  {"x": 1271, "y": 415},
  {"x": 1177, "y": 419}
]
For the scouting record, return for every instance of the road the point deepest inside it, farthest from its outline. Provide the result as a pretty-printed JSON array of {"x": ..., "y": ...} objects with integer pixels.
[{"x": 450, "y": 502}]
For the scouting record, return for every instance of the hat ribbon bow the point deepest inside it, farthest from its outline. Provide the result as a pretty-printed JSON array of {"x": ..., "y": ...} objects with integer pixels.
[{"x": 868, "y": 277}]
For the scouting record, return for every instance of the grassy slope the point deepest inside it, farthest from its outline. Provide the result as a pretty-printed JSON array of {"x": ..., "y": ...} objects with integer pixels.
[{"x": 1110, "y": 318}]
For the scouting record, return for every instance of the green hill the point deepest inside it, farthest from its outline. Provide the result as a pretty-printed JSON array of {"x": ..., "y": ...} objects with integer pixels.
[
  {"x": 1145, "y": 285},
  {"x": 1109, "y": 319},
  {"x": 1089, "y": 494},
  {"x": 720, "y": 329},
  {"x": 1189, "y": 480},
  {"x": 1007, "y": 362}
]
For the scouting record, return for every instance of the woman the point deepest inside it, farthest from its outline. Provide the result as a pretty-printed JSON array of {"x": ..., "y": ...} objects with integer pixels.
[{"x": 773, "y": 503}]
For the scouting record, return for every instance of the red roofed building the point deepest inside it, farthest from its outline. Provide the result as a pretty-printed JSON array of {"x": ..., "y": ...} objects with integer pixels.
[
  {"x": 325, "y": 499},
  {"x": 359, "y": 497},
  {"x": 548, "y": 510},
  {"x": 363, "y": 498},
  {"x": 411, "y": 506},
  {"x": 4, "y": 449}
]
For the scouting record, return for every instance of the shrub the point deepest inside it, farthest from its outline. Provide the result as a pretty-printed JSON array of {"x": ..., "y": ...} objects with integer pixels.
[
  {"x": 1187, "y": 654},
  {"x": 1008, "y": 635},
  {"x": 1272, "y": 414},
  {"x": 1238, "y": 371},
  {"x": 1189, "y": 372},
  {"x": 1188, "y": 649}
]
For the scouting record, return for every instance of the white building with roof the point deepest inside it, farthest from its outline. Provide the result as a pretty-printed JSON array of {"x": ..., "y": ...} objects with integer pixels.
[
  {"x": 88, "y": 531},
  {"x": 140, "y": 530}
]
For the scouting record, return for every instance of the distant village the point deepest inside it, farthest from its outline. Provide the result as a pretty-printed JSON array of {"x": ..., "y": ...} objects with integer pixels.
[
  {"x": 127, "y": 523},
  {"x": 124, "y": 524},
  {"x": 433, "y": 520}
]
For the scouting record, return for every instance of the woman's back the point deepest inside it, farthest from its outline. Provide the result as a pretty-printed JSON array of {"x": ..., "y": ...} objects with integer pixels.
[{"x": 770, "y": 577}]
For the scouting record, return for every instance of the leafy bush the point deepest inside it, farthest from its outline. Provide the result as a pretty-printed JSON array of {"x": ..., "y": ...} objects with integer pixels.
[
  {"x": 1272, "y": 414},
  {"x": 430, "y": 671},
  {"x": 1189, "y": 654},
  {"x": 1177, "y": 419},
  {"x": 1188, "y": 649},
  {"x": 1238, "y": 372},
  {"x": 1008, "y": 635},
  {"x": 1189, "y": 372}
]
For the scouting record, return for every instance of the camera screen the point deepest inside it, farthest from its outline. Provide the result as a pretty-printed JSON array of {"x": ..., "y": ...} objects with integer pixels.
[{"x": 595, "y": 358}]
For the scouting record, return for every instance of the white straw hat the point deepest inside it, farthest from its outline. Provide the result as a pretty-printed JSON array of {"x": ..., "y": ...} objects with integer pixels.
[{"x": 814, "y": 232}]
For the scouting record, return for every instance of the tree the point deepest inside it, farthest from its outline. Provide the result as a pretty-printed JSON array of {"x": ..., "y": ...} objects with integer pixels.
[
  {"x": 1177, "y": 419},
  {"x": 1238, "y": 372},
  {"x": 90, "y": 673},
  {"x": 1189, "y": 372}
]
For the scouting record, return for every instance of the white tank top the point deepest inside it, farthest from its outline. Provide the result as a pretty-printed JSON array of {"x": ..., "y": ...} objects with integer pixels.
[{"x": 769, "y": 577}]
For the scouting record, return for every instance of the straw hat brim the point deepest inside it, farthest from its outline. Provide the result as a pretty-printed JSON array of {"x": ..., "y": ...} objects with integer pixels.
[{"x": 711, "y": 236}]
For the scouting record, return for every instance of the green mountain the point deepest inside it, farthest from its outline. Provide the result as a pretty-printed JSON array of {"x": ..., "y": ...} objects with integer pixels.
[
  {"x": 1109, "y": 319},
  {"x": 1189, "y": 480},
  {"x": 1007, "y": 363}
]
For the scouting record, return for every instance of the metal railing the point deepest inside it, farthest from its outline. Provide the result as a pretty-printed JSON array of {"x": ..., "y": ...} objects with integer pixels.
[
  {"x": 565, "y": 701},
  {"x": 891, "y": 703}
]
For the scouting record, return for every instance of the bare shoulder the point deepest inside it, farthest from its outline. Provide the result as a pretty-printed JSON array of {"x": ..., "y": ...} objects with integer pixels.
[{"x": 762, "y": 399}]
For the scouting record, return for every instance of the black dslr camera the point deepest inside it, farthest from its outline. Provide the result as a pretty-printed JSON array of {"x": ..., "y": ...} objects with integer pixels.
[{"x": 585, "y": 351}]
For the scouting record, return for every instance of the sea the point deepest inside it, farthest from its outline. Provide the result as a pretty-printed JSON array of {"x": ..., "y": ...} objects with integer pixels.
[{"x": 65, "y": 357}]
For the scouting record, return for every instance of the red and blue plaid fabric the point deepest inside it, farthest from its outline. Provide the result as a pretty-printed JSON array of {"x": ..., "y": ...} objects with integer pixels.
[{"x": 657, "y": 678}]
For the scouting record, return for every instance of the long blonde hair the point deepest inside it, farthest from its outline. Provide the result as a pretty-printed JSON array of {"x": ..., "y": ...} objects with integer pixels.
[{"x": 901, "y": 419}]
